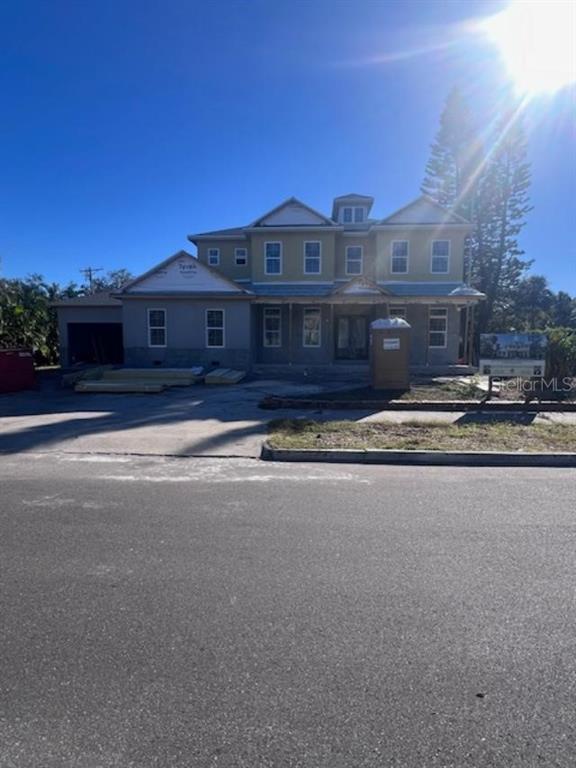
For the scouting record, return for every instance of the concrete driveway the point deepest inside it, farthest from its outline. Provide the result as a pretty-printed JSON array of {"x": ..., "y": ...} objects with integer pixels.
[{"x": 188, "y": 421}]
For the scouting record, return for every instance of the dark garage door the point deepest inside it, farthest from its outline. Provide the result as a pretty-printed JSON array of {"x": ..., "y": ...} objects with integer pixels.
[{"x": 95, "y": 343}]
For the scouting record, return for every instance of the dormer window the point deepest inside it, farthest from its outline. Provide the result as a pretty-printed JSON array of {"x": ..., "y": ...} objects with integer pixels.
[{"x": 353, "y": 214}]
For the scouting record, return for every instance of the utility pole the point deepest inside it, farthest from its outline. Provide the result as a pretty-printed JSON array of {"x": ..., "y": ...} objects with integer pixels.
[{"x": 88, "y": 273}]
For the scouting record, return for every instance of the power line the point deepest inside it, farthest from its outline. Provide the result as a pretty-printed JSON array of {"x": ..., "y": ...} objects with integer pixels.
[{"x": 89, "y": 273}]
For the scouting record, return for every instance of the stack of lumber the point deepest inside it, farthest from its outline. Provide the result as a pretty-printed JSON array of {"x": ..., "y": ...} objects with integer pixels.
[
  {"x": 144, "y": 380},
  {"x": 224, "y": 376},
  {"x": 171, "y": 377},
  {"x": 119, "y": 387}
]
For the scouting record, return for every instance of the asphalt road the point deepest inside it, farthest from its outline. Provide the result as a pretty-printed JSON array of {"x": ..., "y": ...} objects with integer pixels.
[{"x": 201, "y": 612}]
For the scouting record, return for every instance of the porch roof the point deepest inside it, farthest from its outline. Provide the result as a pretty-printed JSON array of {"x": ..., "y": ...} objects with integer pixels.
[{"x": 390, "y": 290}]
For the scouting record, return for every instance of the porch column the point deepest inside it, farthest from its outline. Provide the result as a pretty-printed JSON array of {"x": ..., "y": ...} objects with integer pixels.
[{"x": 290, "y": 333}]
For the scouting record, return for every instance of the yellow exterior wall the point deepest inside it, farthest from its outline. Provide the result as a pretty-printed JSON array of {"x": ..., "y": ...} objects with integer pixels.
[
  {"x": 377, "y": 251},
  {"x": 369, "y": 256},
  {"x": 227, "y": 259},
  {"x": 420, "y": 254},
  {"x": 292, "y": 256}
]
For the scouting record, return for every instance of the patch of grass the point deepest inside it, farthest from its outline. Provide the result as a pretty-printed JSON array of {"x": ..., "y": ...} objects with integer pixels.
[
  {"x": 486, "y": 436},
  {"x": 424, "y": 390}
]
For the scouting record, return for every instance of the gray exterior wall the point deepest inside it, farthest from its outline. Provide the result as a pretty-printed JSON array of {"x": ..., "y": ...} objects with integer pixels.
[
  {"x": 79, "y": 314},
  {"x": 293, "y": 352},
  {"x": 186, "y": 333},
  {"x": 420, "y": 354}
]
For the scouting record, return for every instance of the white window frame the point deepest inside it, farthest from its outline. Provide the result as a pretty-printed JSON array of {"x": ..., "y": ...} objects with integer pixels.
[
  {"x": 319, "y": 244},
  {"x": 209, "y": 328},
  {"x": 344, "y": 209},
  {"x": 244, "y": 263},
  {"x": 280, "y": 259},
  {"x": 213, "y": 253},
  {"x": 395, "y": 271},
  {"x": 397, "y": 310},
  {"x": 157, "y": 327},
  {"x": 443, "y": 316},
  {"x": 277, "y": 313},
  {"x": 432, "y": 257},
  {"x": 362, "y": 218},
  {"x": 361, "y": 262},
  {"x": 317, "y": 311}
]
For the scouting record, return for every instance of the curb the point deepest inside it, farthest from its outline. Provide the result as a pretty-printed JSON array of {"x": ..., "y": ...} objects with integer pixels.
[
  {"x": 510, "y": 406},
  {"x": 431, "y": 458}
]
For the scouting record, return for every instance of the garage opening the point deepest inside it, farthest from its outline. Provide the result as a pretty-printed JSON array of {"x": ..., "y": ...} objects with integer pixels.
[{"x": 99, "y": 343}]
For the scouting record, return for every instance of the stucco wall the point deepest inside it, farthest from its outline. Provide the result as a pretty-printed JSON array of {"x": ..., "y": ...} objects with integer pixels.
[
  {"x": 186, "y": 333},
  {"x": 420, "y": 254},
  {"x": 293, "y": 256},
  {"x": 227, "y": 265},
  {"x": 292, "y": 351}
]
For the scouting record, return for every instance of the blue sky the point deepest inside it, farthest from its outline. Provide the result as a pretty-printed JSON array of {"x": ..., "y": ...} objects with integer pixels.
[{"x": 127, "y": 125}]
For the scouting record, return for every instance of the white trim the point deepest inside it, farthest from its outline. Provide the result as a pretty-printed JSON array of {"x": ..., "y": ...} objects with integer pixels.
[
  {"x": 266, "y": 244},
  {"x": 209, "y": 253},
  {"x": 215, "y": 328},
  {"x": 157, "y": 327},
  {"x": 265, "y": 310},
  {"x": 354, "y": 274},
  {"x": 318, "y": 310},
  {"x": 448, "y": 257},
  {"x": 445, "y": 332},
  {"x": 392, "y": 270},
  {"x": 245, "y": 257},
  {"x": 312, "y": 242}
]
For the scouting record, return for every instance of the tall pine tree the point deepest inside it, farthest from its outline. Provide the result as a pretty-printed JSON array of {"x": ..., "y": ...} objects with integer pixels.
[
  {"x": 489, "y": 186},
  {"x": 454, "y": 155},
  {"x": 502, "y": 204}
]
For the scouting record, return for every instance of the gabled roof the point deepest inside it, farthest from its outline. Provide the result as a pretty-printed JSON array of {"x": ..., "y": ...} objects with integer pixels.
[
  {"x": 424, "y": 210},
  {"x": 361, "y": 286},
  {"x": 315, "y": 218},
  {"x": 160, "y": 270},
  {"x": 430, "y": 289}
]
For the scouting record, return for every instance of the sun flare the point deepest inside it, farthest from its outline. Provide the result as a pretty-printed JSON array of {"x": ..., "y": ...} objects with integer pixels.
[{"x": 537, "y": 42}]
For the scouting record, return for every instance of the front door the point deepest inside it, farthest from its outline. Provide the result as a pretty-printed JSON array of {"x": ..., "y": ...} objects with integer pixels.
[{"x": 352, "y": 337}]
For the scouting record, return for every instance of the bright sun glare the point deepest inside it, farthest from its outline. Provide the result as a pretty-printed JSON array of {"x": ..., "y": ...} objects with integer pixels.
[{"x": 537, "y": 41}]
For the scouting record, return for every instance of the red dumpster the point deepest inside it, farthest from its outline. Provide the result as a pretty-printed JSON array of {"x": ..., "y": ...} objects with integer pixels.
[{"x": 16, "y": 370}]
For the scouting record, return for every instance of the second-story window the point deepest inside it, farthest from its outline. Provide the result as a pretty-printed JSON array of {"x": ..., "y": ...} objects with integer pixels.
[
  {"x": 354, "y": 260},
  {"x": 399, "y": 265},
  {"x": 312, "y": 257},
  {"x": 358, "y": 215},
  {"x": 213, "y": 257},
  {"x": 440, "y": 257},
  {"x": 347, "y": 214},
  {"x": 273, "y": 258},
  {"x": 241, "y": 256}
]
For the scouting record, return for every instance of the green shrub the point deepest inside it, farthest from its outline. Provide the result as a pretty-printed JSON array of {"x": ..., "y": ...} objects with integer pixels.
[{"x": 561, "y": 356}]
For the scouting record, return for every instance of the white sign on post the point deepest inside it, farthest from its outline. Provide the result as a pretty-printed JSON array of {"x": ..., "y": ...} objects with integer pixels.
[{"x": 391, "y": 344}]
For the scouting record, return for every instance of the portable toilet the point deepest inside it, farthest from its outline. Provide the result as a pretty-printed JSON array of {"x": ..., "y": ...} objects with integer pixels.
[{"x": 390, "y": 353}]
